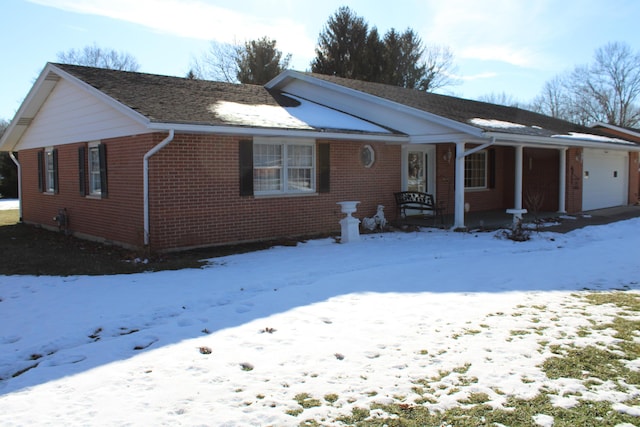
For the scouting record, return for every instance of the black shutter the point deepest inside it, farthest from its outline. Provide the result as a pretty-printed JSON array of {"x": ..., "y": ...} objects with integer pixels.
[
  {"x": 491, "y": 168},
  {"x": 324, "y": 169},
  {"x": 102, "y": 150},
  {"x": 246, "y": 167},
  {"x": 54, "y": 154},
  {"x": 41, "y": 171},
  {"x": 82, "y": 175}
]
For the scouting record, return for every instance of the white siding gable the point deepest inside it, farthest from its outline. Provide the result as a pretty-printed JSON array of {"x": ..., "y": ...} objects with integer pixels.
[{"x": 71, "y": 114}]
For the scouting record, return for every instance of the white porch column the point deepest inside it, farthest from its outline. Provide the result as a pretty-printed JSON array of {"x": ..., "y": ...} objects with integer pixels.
[
  {"x": 518, "y": 178},
  {"x": 459, "y": 187},
  {"x": 563, "y": 181}
]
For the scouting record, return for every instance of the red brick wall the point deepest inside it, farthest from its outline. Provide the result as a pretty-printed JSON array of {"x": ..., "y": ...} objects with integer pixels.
[
  {"x": 117, "y": 218},
  {"x": 195, "y": 201}
]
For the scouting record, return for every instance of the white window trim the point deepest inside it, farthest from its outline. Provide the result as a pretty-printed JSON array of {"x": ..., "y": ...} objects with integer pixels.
[
  {"x": 285, "y": 142},
  {"x": 486, "y": 164},
  {"x": 91, "y": 192}
]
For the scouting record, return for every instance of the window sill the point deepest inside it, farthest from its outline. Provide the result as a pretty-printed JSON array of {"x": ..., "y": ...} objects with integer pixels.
[
  {"x": 283, "y": 195},
  {"x": 476, "y": 190}
]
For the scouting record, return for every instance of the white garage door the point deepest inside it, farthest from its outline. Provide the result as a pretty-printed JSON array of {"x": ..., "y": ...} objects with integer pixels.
[{"x": 604, "y": 179}]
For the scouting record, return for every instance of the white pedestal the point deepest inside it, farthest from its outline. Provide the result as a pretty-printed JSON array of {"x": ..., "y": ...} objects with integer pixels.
[
  {"x": 517, "y": 214},
  {"x": 350, "y": 226},
  {"x": 350, "y": 229}
]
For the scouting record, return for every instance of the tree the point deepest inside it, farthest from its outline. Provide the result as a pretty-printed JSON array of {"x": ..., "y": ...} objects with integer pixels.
[
  {"x": 342, "y": 46},
  {"x": 500, "y": 99},
  {"x": 260, "y": 61},
  {"x": 255, "y": 62},
  {"x": 218, "y": 63},
  {"x": 401, "y": 59},
  {"x": 346, "y": 48},
  {"x": 95, "y": 56},
  {"x": 607, "y": 90},
  {"x": 8, "y": 170}
]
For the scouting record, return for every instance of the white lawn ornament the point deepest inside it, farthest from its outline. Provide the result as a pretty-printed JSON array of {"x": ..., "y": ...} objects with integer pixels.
[{"x": 377, "y": 221}]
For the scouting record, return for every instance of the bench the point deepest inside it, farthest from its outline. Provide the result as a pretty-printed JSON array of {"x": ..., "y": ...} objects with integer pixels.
[{"x": 415, "y": 200}]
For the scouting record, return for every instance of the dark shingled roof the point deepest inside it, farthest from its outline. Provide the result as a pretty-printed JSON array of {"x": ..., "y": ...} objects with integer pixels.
[
  {"x": 168, "y": 99},
  {"x": 464, "y": 110}
]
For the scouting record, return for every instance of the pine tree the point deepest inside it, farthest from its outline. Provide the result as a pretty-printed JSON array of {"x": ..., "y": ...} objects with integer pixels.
[{"x": 260, "y": 61}]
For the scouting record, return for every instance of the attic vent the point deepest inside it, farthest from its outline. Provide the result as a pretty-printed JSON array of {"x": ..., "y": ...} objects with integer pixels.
[
  {"x": 24, "y": 121},
  {"x": 52, "y": 77}
]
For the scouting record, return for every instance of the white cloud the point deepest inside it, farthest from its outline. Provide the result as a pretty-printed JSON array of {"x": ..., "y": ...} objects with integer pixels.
[
  {"x": 196, "y": 19},
  {"x": 498, "y": 30},
  {"x": 479, "y": 76}
]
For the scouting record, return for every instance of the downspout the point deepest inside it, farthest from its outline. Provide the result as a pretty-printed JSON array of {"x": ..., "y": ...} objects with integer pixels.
[
  {"x": 13, "y": 157},
  {"x": 145, "y": 181}
]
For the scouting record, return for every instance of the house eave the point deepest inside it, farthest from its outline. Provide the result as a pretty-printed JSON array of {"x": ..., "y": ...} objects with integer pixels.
[
  {"x": 294, "y": 133},
  {"x": 558, "y": 141},
  {"x": 285, "y": 78},
  {"x": 37, "y": 96}
]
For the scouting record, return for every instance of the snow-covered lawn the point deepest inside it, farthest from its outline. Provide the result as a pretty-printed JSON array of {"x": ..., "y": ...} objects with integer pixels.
[{"x": 359, "y": 323}]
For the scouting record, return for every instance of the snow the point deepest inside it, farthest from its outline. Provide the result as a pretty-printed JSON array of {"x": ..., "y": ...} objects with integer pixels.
[
  {"x": 307, "y": 115},
  {"x": 595, "y": 138},
  {"x": 361, "y": 320},
  {"x": 498, "y": 124},
  {"x": 8, "y": 204}
]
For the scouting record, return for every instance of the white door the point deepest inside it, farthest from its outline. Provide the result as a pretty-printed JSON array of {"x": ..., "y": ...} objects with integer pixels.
[{"x": 605, "y": 179}]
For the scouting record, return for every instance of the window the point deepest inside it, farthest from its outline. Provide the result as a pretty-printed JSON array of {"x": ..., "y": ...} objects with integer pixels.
[
  {"x": 92, "y": 169},
  {"x": 48, "y": 170},
  {"x": 50, "y": 161},
  {"x": 475, "y": 170},
  {"x": 283, "y": 167},
  {"x": 95, "y": 189}
]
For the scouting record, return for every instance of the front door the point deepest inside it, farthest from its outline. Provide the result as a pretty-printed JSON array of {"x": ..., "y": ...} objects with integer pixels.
[{"x": 418, "y": 169}]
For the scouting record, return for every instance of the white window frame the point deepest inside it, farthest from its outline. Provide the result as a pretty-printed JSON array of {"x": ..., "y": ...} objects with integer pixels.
[
  {"x": 95, "y": 184},
  {"x": 49, "y": 171},
  {"x": 468, "y": 159},
  {"x": 285, "y": 147}
]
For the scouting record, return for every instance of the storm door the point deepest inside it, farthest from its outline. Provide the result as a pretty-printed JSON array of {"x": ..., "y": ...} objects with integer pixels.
[{"x": 418, "y": 169}]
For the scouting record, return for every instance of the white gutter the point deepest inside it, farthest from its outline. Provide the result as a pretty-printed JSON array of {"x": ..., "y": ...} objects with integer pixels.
[
  {"x": 13, "y": 157},
  {"x": 145, "y": 181},
  {"x": 255, "y": 131}
]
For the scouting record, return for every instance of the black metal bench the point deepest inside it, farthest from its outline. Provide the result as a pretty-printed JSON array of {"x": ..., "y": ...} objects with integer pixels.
[{"x": 415, "y": 200}]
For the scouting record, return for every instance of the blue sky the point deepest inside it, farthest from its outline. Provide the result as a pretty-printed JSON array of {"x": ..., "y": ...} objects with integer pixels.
[{"x": 510, "y": 46}]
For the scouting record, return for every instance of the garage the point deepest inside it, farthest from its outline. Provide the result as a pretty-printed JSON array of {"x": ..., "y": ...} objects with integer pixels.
[{"x": 605, "y": 179}]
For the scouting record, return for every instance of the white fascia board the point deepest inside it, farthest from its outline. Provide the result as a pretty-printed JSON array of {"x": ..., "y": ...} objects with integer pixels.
[
  {"x": 286, "y": 82},
  {"x": 249, "y": 131},
  {"x": 549, "y": 142},
  {"x": 28, "y": 109}
]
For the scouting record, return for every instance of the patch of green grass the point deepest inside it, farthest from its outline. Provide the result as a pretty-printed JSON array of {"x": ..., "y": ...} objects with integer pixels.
[
  {"x": 294, "y": 412},
  {"x": 9, "y": 217},
  {"x": 358, "y": 415},
  {"x": 331, "y": 397},
  {"x": 518, "y": 412},
  {"x": 627, "y": 300},
  {"x": 475, "y": 398},
  {"x": 306, "y": 401}
]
